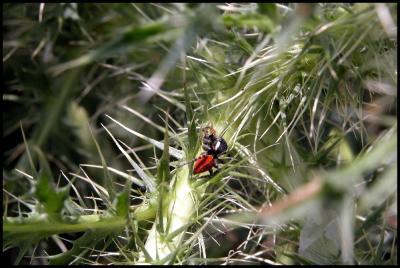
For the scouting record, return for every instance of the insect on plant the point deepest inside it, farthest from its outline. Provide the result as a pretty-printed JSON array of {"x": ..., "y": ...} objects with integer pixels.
[{"x": 213, "y": 147}]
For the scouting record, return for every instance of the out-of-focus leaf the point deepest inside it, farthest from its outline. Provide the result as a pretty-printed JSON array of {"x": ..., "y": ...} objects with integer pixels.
[
  {"x": 78, "y": 119},
  {"x": 320, "y": 239},
  {"x": 384, "y": 187},
  {"x": 120, "y": 44},
  {"x": 263, "y": 23},
  {"x": 268, "y": 9},
  {"x": 107, "y": 176},
  {"x": 55, "y": 105}
]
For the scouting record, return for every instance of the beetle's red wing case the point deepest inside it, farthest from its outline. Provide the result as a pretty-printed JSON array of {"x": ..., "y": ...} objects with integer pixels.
[{"x": 204, "y": 163}]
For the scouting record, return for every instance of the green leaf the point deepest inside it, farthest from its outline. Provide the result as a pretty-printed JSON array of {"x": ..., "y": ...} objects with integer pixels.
[
  {"x": 78, "y": 119},
  {"x": 174, "y": 152},
  {"x": 269, "y": 9},
  {"x": 320, "y": 239},
  {"x": 163, "y": 178},
  {"x": 80, "y": 246},
  {"x": 51, "y": 199},
  {"x": 263, "y": 23},
  {"x": 192, "y": 133},
  {"x": 22, "y": 250},
  {"x": 149, "y": 181},
  {"x": 107, "y": 176},
  {"x": 28, "y": 153},
  {"x": 55, "y": 105},
  {"x": 383, "y": 187},
  {"x": 122, "y": 205},
  {"x": 143, "y": 248},
  {"x": 163, "y": 174},
  {"x": 120, "y": 44}
]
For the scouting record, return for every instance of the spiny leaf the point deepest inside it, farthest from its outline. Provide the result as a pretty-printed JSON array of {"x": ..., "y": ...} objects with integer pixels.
[
  {"x": 120, "y": 173},
  {"x": 107, "y": 177},
  {"x": 28, "y": 153},
  {"x": 43, "y": 163},
  {"x": 174, "y": 152},
  {"x": 163, "y": 176},
  {"x": 163, "y": 166},
  {"x": 22, "y": 250},
  {"x": 143, "y": 248},
  {"x": 144, "y": 118},
  {"x": 52, "y": 200},
  {"x": 150, "y": 184},
  {"x": 192, "y": 134},
  {"x": 189, "y": 110},
  {"x": 79, "y": 247}
]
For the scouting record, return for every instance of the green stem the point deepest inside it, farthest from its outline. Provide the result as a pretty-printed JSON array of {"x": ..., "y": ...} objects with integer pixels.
[
  {"x": 182, "y": 204},
  {"x": 16, "y": 226}
]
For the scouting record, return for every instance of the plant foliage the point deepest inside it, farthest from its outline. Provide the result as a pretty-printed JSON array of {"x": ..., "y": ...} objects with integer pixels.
[{"x": 103, "y": 110}]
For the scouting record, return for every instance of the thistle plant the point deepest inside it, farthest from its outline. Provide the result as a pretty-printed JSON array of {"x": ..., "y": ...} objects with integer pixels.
[{"x": 105, "y": 105}]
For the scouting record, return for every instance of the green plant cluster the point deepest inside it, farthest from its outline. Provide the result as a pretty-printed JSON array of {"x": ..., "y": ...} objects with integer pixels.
[{"x": 103, "y": 110}]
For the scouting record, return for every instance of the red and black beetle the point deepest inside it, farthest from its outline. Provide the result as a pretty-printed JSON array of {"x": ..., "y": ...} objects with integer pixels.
[{"x": 213, "y": 146}]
